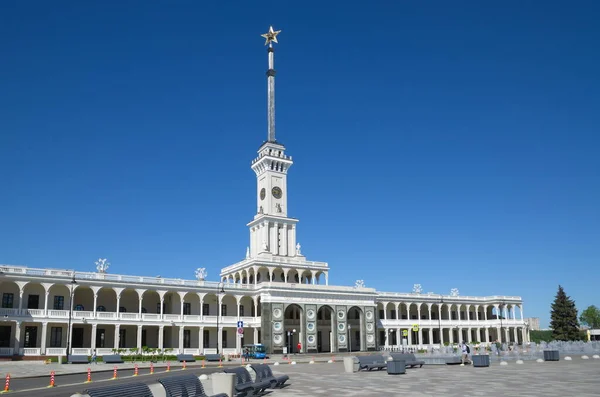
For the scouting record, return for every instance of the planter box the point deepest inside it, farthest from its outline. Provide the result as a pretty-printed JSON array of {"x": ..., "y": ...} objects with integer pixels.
[
  {"x": 396, "y": 367},
  {"x": 551, "y": 355},
  {"x": 481, "y": 360}
]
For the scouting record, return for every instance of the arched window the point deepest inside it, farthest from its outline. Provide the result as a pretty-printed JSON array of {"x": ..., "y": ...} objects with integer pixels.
[
  {"x": 79, "y": 308},
  {"x": 100, "y": 309}
]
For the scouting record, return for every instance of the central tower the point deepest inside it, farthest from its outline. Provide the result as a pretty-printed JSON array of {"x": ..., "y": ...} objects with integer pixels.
[{"x": 271, "y": 231}]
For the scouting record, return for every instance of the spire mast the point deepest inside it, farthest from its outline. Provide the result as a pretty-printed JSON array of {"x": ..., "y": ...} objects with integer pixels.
[{"x": 271, "y": 37}]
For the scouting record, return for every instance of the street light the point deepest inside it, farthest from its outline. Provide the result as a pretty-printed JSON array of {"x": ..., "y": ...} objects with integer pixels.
[
  {"x": 220, "y": 290},
  {"x": 73, "y": 282},
  {"x": 350, "y": 337}
]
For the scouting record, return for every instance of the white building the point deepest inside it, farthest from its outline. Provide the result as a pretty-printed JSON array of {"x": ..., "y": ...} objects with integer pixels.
[{"x": 281, "y": 297}]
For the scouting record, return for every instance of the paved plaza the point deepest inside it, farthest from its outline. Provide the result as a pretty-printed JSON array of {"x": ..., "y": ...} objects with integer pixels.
[{"x": 564, "y": 378}]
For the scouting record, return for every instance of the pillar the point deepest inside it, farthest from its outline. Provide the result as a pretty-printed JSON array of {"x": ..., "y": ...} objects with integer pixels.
[
  {"x": 139, "y": 338},
  {"x": 95, "y": 304},
  {"x": 161, "y": 336},
  {"x": 46, "y": 303},
  {"x": 93, "y": 336},
  {"x": 117, "y": 328},
  {"x": 220, "y": 339},
  {"x": 17, "y": 338},
  {"x": 181, "y": 339},
  {"x": 516, "y": 335},
  {"x": 431, "y": 336},
  {"x": 201, "y": 340},
  {"x": 487, "y": 334},
  {"x": 44, "y": 333}
]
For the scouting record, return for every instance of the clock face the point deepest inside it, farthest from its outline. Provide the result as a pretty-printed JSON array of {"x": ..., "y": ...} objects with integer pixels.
[
  {"x": 263, "y": 193},
  {"x": 276, "y": 192}
]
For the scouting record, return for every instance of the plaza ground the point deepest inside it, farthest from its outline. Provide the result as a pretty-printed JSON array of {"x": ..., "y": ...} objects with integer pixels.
[{"x": 563, "y": 378}]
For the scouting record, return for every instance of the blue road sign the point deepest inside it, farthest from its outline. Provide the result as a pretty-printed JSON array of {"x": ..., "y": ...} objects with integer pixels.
[{"x": 240, "y": 324}]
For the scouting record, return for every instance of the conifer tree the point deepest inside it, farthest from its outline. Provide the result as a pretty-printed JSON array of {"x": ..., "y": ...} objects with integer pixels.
[{"x": 563, "y": 318}]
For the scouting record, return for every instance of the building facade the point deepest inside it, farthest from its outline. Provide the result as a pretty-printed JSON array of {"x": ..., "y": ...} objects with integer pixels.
[{"x": 281, "y": 298}]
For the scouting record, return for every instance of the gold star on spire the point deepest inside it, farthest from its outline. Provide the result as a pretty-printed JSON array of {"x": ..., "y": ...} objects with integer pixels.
[{"x": 271, "y": 35}]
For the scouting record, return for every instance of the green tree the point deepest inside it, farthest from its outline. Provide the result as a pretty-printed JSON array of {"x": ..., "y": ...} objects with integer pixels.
[
  {"x": 591, "y": 317},
  {"x": 563, "y": 318}
]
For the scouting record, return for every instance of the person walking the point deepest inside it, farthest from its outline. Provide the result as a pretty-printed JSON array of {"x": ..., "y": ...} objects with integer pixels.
[{"x": 465, "y": 353}]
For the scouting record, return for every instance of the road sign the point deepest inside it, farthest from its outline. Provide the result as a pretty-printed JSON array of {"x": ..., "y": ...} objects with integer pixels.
[
  {"x": 240, "y": 330},
  {"x": 416, "y": 327},
  {"x": 405, "y": 332},
  {"x": 240, "y": 324}
]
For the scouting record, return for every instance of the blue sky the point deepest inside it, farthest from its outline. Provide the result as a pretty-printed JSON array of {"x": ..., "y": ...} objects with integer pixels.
[{"x": 452, "y": 144}]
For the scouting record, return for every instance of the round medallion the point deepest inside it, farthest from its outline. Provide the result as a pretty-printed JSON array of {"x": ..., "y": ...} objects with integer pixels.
[
  {"x": 277, "y": 339},
  {"x": 277, "y": 326},
  {"x": 263, "y": 193},
  {"x": 277, "y": 313},
  {"x": 310, "y": 313},
  {"x": 310, "y": 326},
  {"x": 370, "y": 327},
  {"x": 341, "y": 314},
  {"x": 370, "y": 338},
  {"x": 276, "y": 192},
  {"x": 342, "y": 338},
  {"x": 311, "y": 339},
  {"x": 342, "y": 327},
  {"x": 369, "y": 315}
]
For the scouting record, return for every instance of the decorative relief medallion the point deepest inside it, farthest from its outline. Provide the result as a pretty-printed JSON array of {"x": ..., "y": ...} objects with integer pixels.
[
  {"x": 277, "y": 326},
  {"x": 370, "y": 338},
  {"x": 370, "y": 327},
  {"x": 310, "y": 326},
  {"x": 342, "y": 338},
  {"x": 277, "y": 339},
  {"x": 277, "y": 313},
  {"x": 311, "y": 339},
  {"x": 341, "y": 314},
  {"x": 310, "y": 314},
  {"x": 342, "y": 327},
  {"x": 369, "y": 315}
]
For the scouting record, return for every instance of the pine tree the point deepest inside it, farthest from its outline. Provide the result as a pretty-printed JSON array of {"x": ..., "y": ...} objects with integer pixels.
[{"x": 563, "y": 318}]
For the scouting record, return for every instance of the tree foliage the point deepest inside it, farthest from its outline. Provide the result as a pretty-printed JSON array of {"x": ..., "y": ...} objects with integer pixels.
[
  {"x": 591, "y": 317},
  {"x": 563, "y": 318}
]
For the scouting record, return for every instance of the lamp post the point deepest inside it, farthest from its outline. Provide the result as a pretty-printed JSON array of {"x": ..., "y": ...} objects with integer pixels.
[
  {"x": 350, "y": 337},
  {"x": 220, "y": 290},
  {"x": 73, "y": 282}
]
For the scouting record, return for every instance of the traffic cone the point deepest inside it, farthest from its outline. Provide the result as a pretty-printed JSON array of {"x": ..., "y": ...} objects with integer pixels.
[
  {"x": 135, "y": 370},
  {"x": 51, "y": 379},
  {"x": 115, "y": 373},
  {"x": 7, "y": 384},
  {"x": 203, "y": 364},
  {"x": 168, "y": 366},
  {"x": 151, "y": 367},
  {"x": 89, "y": 376},
  {"x": 183, "y": 365}
]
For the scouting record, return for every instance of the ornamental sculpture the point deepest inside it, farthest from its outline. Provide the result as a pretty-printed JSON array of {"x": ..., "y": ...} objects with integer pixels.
[
  {"x": 298, "y": 252},
  {"x": 359, "y": 284},
  {"x": 102, "y": 266},
  {"x": 454, "y": 292},
  {"x": 417, "y": 289},
  {"x": 201, "y": 273}
]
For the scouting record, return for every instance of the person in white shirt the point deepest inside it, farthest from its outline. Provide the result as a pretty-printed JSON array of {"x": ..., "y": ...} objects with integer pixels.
[{"x": 465, "y": 353}]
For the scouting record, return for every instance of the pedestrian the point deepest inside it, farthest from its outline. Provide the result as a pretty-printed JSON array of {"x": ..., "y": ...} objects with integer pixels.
[
  {"x": 247, "y": 354},
  {"x": 465, "y": 353},
  {"x": 299, "y": 347},
  {"x": 94, "y": 357}
]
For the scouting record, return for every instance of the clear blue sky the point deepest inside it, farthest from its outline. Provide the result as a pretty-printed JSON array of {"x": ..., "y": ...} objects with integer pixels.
[{"x": 451, "y": 144}]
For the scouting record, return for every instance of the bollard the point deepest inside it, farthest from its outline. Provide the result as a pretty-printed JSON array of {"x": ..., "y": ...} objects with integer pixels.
[
  {"x": 89, "y": 376},
  {"x": 7, "y": 384},
  {"x": 168, "y": 366},
  {"x": 151, "y": 367},
  {"x": 203, "y": 366},
  {"x": 183, "y": 365},
  {"x": 114, "y": 372},
  {"x": 51, "y": 379},
  {"x": 135, "y": 370},
  {"x": 220, "y": 363}
]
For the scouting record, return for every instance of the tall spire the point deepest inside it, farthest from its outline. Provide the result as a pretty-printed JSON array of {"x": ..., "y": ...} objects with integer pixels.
[{"x": 271, "y": 37}]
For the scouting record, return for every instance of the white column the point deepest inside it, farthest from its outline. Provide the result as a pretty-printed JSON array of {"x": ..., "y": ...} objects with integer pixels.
[
  {"x": 21, "y": 292},
  {"x": 485, "y": 312},
  {"x": 326, "y": 278},
  {"x": 17, "y": 339},
  {"x": 469, "y": 335},
  {"x": 430, "y": 336},
  {"x": 161, "y": 335},
  {"x": 238, "y": 341},
  {"x": 44, "y": 333},
  {"x": 95, "y": 304},
  {"x": 220, "y": 339},
  {"x": 162, "y": 302},
  {"x": 265, "y": 227},
  {"x": 384, "y": 304},
  {"x": 284, "y": 240},
  {"x": 398, "y": 338},
  {"x": 201, "y": 339},
  {"x": 237, "y": 301},
  {"x": 93, "y": 336},
  {"x": 46, "y": 304},
  {"x": 139, "y": 338},
  {"x": 181, "y": 339},
  {"x": 118, "y": 303},
  {"x": 397, "y": 311},
  {"x": 117, "y": 327},
  {"x": 521, "y": 310},
  {"x": 255, "y": 335},
  {"x": 292, "y": 241}
]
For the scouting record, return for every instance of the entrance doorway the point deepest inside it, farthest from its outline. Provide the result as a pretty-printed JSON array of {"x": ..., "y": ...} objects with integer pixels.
[
  {"x": 324, "y": 329},
  {"x": 30, "y": 337},
  {"x": 77, "y": 340}
]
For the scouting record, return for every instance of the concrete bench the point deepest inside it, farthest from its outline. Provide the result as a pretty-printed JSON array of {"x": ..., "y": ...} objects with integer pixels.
[
  {"x": 122, "y": 390},
  {"x": 189, "y": 358},
  {"x": 185, "y": 385},
  {"x": 243, "y": 382},
  {"x": 112, "y": 359},
  {"x": 212, "y": 357},
  {"x": 78, "y": 359},
  {"x": 409, "y": 358},
  {"x": 371, "y": 362}
]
